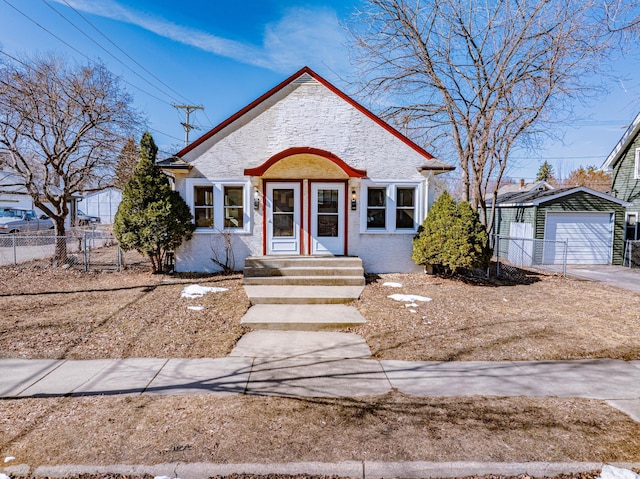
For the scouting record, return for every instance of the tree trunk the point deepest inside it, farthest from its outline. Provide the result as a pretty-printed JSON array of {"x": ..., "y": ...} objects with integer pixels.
[{"x": 60, "y": 255}]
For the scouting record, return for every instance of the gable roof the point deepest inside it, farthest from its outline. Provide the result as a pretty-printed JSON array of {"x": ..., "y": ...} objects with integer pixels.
[
  {"x": 522, "y": 188},
  {"x": 627, "y": 138},
  {"x": 537, "y": 197},
  {"x": 305, "y": 75}
]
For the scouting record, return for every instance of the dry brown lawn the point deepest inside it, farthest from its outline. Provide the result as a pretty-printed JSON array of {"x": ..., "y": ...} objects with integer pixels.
[
  {"x": 543, "y": 317},
  {"x": 239, "y": 429},
  {"x": 65, "y": 314},
  {"x": 68, "y": 314}
]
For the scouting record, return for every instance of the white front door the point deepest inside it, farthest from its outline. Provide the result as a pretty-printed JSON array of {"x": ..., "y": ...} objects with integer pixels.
[
  {"x": 283, "y": 218},
  {"x": 327, "y": 218}
]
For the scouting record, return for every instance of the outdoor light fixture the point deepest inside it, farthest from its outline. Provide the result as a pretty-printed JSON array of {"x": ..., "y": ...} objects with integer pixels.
[
  {"x": 256, "y": 199},
  {"x": 354, "y": 205}
]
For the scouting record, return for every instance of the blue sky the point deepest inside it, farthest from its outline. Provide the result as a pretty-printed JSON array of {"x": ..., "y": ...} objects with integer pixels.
[{"x": 223, "y": 55}]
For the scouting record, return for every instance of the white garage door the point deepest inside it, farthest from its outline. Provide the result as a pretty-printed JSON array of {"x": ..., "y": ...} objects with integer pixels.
[{"x": 589, "y": 237}]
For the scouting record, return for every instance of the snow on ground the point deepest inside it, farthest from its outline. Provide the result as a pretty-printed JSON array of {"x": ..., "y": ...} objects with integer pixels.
[
  {"x": 197, "y": 291},
  {"x": 390, "y": 284},
  {"x": 408, "y": 298},
  {"x": 196, "y": 308}
]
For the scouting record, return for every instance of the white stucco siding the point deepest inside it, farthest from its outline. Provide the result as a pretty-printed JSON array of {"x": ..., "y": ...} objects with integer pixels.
[{"x": 311, "y": 116}]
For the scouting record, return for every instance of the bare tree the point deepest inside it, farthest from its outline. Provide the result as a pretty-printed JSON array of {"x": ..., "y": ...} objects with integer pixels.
[
  {"x": 61, "y": 128},
  {"x": 127, "y": 161},
  {"x": 481, "y": 77}
]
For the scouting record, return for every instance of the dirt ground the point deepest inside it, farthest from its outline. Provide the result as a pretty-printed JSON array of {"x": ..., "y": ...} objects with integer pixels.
[
  {"x": 239, "y": 429},
  {"x": 67, "y": 314}
]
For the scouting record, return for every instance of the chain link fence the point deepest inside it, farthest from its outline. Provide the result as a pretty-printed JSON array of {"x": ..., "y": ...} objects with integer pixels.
[
  {"x": 515, "y": 256},
  {"x": 83, "y": 249},
  {"x": 632, "y": 254}
]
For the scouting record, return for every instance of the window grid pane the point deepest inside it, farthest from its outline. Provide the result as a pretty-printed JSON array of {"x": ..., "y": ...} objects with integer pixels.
[
  {"x": 233, "y": 207},
  {"x": 376, "y": 208},
  {"x": 405, "y": 208},
  {"x": 203, "y": 206}
]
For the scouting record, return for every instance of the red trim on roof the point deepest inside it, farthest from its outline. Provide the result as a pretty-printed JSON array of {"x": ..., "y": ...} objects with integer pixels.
[
  {"x": 261, "y": 170},
  {"x": 328, "y": 85}
]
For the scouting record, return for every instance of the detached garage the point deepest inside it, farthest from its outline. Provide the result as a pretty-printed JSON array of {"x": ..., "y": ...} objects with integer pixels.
[{"x": 592, "y": 223}]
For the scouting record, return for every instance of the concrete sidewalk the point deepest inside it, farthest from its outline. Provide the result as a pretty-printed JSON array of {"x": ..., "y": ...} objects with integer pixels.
[{"x": 617, "y": 382}]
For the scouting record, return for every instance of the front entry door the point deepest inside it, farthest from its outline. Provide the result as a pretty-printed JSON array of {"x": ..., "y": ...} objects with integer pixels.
[
  {"x": 283, "y": 218},
  {"x": 327, "y": 218}
]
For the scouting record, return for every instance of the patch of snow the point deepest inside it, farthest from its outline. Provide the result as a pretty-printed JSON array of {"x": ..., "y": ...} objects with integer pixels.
[
  {"x": 611, "y": 472},
  {"x": 165, "y": 477},
  {"x": 408, "y": 298},
  {"x": 9, "y": 459},
  {"x": 411, "y": 305},
  {"x": 197, "y": 291},
  {"x": 4, "y": 476},
  {"x": 413, "y": 311},
  {"x": 391, "y": 284},
  {"x": 195, "y": 308}
]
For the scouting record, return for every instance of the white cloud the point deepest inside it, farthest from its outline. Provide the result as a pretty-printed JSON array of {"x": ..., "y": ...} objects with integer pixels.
[{"x": 288, "y": 44}]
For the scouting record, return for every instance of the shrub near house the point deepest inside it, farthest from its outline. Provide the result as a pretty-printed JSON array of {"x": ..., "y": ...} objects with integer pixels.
[{"x": 451, "y": 238}]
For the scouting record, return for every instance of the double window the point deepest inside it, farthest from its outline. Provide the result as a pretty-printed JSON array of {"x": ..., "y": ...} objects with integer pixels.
[
  {"x": 391, "y": 208},
  {"x": 220, "y": 206}
]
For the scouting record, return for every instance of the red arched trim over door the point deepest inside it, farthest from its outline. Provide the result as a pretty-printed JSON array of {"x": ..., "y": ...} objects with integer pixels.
[{"x": 261, "y": 170}]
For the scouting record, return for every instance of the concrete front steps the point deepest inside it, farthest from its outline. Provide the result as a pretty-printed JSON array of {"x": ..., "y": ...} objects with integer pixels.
[
  {"x": 302, "y": 317},
  {"x": 303, "y": 271},
  {"x": 306, "y": 293}
]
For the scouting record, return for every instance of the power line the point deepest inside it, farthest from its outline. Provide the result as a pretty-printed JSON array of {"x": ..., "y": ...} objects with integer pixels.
[
  {"x": 188, "y": 126},
  {"x": 78, "y": 51},
  {"x": 103, "y": 48},
  {"x": 123, "y": 51}
]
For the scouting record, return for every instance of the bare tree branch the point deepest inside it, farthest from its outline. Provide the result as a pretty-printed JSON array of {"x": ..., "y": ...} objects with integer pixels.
[
  {"x": 61, "y": 128},
  {"x": 482, "y": 78}
]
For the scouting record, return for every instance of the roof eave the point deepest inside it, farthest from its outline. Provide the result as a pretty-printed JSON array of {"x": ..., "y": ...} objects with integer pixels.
[{"x": 622, "y": 145}]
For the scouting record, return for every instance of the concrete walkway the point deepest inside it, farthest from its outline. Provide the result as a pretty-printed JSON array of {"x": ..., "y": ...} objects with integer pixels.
[
  {"x": 617, "y": 382},
  {"x": 618, "y": 276}
]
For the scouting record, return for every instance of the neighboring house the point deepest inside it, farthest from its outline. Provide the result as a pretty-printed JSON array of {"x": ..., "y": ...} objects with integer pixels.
[
  {"x": 304, "y": 170},
  {"x": 13, "y": 194},
  {"x": 591, "y": 222},
  {"x": 103, "y": 204},
  {"x": 523, "y": 187},
  {"x": 624, "y": 164}
]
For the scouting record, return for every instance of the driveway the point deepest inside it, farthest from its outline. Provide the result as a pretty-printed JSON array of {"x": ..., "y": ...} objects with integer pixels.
[{"x": 618, "y": 276}]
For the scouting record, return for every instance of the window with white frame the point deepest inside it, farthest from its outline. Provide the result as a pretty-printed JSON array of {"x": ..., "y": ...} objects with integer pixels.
[
  {"x": 636, "y": 169},
  {"x": 391, "y": 207},
  {"x": 405, "y": 207},
  {"x": 233, "y": 207},
  {"x": 376, "y": 207},
  {"x": 203, "y": 206},
  {"x": 218, "y": 205}
]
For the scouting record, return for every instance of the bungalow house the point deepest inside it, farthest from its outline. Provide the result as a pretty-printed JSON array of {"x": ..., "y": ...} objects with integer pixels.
[
  {"x": 624, "y": 164},
  {"x": 304, "y": 170}
]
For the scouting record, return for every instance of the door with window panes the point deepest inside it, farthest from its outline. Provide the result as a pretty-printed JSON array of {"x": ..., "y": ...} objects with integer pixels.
[
  {"x": 327, "y": 218},
  {"x": 283, "y": 218}
]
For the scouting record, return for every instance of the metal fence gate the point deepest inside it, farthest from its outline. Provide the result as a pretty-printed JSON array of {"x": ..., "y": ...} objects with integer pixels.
[{"x": 515, "y": 255}]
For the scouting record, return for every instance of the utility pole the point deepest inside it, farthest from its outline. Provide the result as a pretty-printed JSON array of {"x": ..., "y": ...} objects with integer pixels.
[{"x": 188, "y": 126}]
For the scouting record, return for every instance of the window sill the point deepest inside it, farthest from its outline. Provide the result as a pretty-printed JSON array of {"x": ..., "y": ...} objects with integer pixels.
[
  {"x": 386, "y": 232},
  {"x": 210, "y": 231}
]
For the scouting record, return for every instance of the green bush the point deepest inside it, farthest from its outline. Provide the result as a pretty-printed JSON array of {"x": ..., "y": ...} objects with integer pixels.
[
  {"x": 451, "y": 238},
  {"x": 152, "y": 218}
]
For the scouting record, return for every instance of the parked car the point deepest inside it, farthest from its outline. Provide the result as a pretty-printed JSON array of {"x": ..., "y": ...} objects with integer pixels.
[
  {"x": 15, "y": 220},
  {"x": 85, "y": 219}
]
